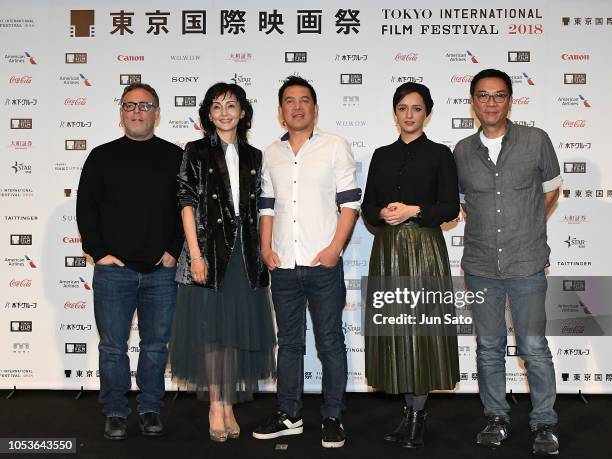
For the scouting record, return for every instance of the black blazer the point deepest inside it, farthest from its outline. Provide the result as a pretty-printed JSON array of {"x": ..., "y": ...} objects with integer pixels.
[{"x": 204, "y": 184}]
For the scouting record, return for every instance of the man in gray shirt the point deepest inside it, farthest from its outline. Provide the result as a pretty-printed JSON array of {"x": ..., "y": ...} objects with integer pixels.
[{"x": 509, "y": 180}]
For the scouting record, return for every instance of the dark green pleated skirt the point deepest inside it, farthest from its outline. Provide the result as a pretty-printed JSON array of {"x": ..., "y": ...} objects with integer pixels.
[{"x": 400, "y": 362}]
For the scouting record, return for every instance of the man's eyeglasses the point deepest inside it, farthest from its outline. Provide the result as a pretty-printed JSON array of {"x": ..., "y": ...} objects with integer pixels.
[
  {"x": 142, "y": 106},
  {"x": 484, "y": 97}
]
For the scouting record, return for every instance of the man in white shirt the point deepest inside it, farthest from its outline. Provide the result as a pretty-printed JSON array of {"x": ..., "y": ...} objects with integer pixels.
[{"x": 307, "y": 176}]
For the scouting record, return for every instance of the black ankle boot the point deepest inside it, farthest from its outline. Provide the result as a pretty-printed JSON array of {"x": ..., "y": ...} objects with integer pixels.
[
  {"x": 414, "y": 438},
  {"x": 403, "y": 429}
]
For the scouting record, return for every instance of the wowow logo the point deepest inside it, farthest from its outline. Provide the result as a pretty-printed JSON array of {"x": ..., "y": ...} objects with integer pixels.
[
  {"x": 85, "y": 284},
  {"x": 472, "y": 57},
  {"x": 529, "y": 80},
  {"x": 584, "y": 101},
  {"x": 30, "y": 58},
  {"x": 86, "y": 82}
]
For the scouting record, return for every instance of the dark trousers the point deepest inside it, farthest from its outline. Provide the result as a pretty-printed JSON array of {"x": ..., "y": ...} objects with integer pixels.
[{"x": 324, "y": 291}]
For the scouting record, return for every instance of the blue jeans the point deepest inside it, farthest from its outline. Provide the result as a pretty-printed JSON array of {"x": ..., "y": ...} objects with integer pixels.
[
  {"x": 527, "y": 298},
  {"x": 117, "y": 293},
  {"x": 324, "y": 290}
]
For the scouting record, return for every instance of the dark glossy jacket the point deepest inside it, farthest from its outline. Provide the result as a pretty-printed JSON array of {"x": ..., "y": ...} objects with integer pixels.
[{"x": 204, "y": 184}]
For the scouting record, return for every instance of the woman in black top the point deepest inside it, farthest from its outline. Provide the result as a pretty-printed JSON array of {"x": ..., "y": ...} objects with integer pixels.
[
  {"x": 411, "y": 189},
  {"x": 223, "y": 337}
]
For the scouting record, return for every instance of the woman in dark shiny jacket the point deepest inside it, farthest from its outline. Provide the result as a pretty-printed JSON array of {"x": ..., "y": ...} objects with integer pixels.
[{"x": 222, "y": 338}]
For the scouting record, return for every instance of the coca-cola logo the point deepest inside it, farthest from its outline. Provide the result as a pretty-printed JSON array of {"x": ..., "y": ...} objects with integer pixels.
[
  {"x": 77, "y": 101},
  {"x": 26, "y": 79},
  {"x": 409, "y": 57},
  {"x": 75, "y": 305},
  {"x": 574, "y": 123},
  {"x": 575, "y": 57},
  {"x": 20, "y": 283},
  {"x": 461, "y": 78},
  {"x": 520, "y": 100}
]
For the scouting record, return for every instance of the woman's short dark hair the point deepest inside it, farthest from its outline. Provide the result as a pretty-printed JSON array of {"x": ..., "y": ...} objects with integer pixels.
[
  {"x": 407, "y": 88},
  {"x": 491, "y": 73},
  {"x": 220, "y": 89},
  {"x": 294, "y": 80}
]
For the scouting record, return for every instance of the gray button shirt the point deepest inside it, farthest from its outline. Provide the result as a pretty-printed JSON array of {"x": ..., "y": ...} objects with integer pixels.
[{"x": 505, "y": 230}]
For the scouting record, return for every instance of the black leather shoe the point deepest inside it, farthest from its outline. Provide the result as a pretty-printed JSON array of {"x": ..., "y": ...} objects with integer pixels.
[
  {"x": 546, "y": 440},
  {"x": 416, "y": 434},
  {"x": 150, "y": 424},
  {"x": 115, "y": 428},
  {"x": 496, "y": 431},
  {"x": 402, "y": 429}
]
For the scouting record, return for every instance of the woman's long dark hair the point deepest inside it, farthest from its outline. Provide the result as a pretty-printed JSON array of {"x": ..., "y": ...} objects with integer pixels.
[{"x": 219, "y": 89}]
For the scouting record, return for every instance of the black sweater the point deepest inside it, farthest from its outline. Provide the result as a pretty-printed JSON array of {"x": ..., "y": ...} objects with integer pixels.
[
  {"x": 127, "y": 204},
  {"x": 420, "y": 173}
]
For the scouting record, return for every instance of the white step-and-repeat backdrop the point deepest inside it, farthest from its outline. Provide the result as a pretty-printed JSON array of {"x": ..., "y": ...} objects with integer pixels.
[{"x": 64, "y": 65}]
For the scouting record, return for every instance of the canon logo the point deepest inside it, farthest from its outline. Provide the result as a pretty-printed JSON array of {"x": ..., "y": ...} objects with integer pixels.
[
  {"x": 75, "y": 305},
  {"x": 26, "y": 79},
  {"x": 77, "y": 101},
  {"x": 574, "y": 123},
  {"x": 520, "y": 101},
  {"x": 461, "y": 78},
  {"x": 71, "y": 240},
  {"x": 575, "y": 57},
  {"x": 125, "y": 58},
  {"x": 20, "y": 283},
  {"x": 406, "y": 57}
]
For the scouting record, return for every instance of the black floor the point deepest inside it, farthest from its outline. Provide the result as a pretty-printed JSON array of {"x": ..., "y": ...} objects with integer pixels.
[{"x": 585, "y": 429}]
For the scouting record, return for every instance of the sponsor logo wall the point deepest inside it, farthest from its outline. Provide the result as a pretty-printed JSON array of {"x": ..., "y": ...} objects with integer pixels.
[{"x": 63, "y": 71}]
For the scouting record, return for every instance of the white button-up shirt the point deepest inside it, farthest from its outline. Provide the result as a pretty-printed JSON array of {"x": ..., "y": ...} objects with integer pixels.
[{"x": 303, "y": 192}]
